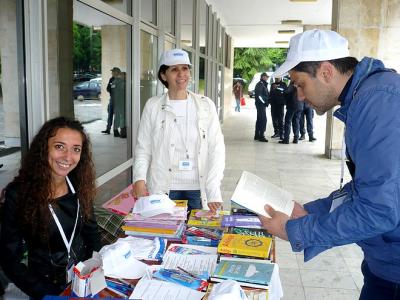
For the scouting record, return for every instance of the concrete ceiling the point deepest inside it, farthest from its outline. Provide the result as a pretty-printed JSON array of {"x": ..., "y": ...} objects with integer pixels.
[{"x": 255, "y": 23}]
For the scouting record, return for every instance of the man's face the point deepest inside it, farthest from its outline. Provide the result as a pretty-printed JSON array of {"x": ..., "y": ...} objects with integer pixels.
[
  {"x": 264, "y": 78},
  {"x": 314, "y": 90}
]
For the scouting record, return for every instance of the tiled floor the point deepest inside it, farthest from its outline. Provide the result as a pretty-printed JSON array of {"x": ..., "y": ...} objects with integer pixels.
[{"x": 302, "y": 170}]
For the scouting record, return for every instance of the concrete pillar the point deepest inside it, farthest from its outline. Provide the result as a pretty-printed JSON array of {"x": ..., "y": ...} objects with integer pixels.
[
  {"x": 60, "y": 67},
  {"x": 9, "y": 74}
]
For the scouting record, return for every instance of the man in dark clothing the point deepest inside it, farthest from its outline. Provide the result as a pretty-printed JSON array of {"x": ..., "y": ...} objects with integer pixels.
[
  {"x": 261, "y": 101},
  {"x": 308, "y": 113},
  {"x": 294, "y": 108},
  {"x": 110, "y": 108},
  {"x": 277, "y": 106}
]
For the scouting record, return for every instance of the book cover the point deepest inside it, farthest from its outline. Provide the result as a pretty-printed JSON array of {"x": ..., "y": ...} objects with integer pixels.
[
  {"x": 148, "y": 230},
  {"x": 245, "y": 245},
  {"x": 253, "y": 193},
  {"x": 241, "y": 220},
  {"x": 245, "y": 270},
  {"x": 250, "y": 231},
  {"x": 206, "y": 222},
  {"x": 122, "y": 203}
]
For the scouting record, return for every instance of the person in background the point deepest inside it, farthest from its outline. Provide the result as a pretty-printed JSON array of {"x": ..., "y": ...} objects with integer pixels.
[
  {"x": 48, "y": 210},
  {"x": 115, "y": 72},
  {"x": 308, "y": 113},
  {"x": 119, "y": 105},
  {"x": 238, "y": 92},
  {"x": 278, "y": 102},
  {"x": 366, "y": 210},
  {"x": 261, "y": 101},
  {"x": 180, "y": 148}
]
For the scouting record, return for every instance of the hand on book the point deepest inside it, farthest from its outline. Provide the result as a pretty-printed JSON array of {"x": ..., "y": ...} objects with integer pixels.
[
  {"x": 214, "y": 206},
  {"x": 276, "y": 225},
  {"x": 140, "y": 189},
  {"x": 298, "y": 211}
]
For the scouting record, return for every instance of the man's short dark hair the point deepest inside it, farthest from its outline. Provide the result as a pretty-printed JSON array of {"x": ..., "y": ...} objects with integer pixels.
[{"x": 343, "y": 65}]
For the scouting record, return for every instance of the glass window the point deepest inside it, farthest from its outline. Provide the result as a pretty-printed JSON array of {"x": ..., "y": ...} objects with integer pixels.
[
  {"x": 168, "y": 45},
  {"x": 219, "y": 37},
  {"x": 187, "y": 23},
  {"x": 169, "y": 16},
  {"x": 202, "y": 75},
  {"x": 82, "y": 85},
  {"x": 148, "y": 67},
  {"x": 121, "y": 5},
  {"x": 148, "y": 10},
  {"x": 10, "y": 137},
  {"x": 203, "y": 26}
]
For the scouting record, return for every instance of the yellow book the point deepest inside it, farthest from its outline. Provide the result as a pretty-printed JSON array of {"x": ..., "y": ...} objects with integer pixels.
[
  {"x": 247, "y": 245},
  {"x": 145, "y": 229},
  {"x": 181, "y": 203},
  {"x": 206, "y": 222}
]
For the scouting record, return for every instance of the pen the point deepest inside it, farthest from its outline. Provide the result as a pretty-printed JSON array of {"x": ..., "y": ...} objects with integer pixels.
[{"x": 189, "y": 273}]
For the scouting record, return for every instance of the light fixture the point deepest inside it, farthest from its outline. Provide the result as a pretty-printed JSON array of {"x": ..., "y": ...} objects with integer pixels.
[
  {"x": 291, "y": 22},
  {"x": 281, "y": 42},
  {"x": 290, "y": 31}
]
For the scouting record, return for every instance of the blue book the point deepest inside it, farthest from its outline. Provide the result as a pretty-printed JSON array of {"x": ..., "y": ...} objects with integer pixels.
[{"x": 248, "y": 272}]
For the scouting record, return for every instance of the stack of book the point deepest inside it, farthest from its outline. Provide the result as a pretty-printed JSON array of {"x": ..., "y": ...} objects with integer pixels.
[{"x": 169, "y": 226}]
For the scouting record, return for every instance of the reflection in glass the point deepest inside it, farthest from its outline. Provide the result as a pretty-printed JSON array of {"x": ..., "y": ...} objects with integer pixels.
[
  {"x": 148, "y": 67},
  {"x": 168, "y": 45},
  {"x": 187, "y": 23},
  {"x": 219, "y": 37},
  {"x": 148, "y": 10},
  {"x": 100, "y": 47},
  {"x": 203, "y": 26},
  {"x": 202, "y": 76},
  {"x": 169, "y": 16},
  {"x": 219, "y": 92},
  {"x": 121, "y": 5},
  {"x": 10, "y": 137}
]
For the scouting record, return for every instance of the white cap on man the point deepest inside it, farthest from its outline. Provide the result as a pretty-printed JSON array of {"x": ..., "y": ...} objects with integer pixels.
[
  {"x": 174, "y": 57},
  {"x": 313, "y": 45}
]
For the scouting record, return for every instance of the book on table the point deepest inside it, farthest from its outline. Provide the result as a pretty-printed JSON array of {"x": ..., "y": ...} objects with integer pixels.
[
  {"x": 245, "y": 245},
  {"x": 214, "y": 222},
  {"x": 241, "y": 221},
  {"x": 253, "y": 193},
  {"x": 248, "y": 272},
  {"x": 250, "y": 231},
  {"x": 122, "y": 203}
]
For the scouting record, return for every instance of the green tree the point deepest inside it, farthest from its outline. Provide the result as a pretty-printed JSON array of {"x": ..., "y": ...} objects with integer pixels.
[
  {"x": 87, "y": 48},
  {"x": 248, "y": 61}
]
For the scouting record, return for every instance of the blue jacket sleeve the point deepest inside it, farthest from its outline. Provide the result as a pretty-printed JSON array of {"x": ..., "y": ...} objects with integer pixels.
[{"x": 374, "y": 206}]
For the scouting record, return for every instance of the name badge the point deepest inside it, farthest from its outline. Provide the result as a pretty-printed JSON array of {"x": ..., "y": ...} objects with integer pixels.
[
  {"x": 337, "y": 200},
  {"x": 185, "y": 165}
]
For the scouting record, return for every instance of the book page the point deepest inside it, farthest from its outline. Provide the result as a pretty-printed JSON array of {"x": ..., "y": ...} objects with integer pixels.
[{"x": 253, "y": 192}]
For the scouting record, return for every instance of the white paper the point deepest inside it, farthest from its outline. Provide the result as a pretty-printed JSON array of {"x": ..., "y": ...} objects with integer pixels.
[
  {"x": 197, "y": 264},
  {"x": 161, "y": 290},
  {"x": 210, "y": 250},
  {"x": 253, "y": 193}
]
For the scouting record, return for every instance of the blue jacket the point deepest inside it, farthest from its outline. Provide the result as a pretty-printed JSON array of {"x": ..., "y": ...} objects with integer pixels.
[{"x": 370, "y": 216}]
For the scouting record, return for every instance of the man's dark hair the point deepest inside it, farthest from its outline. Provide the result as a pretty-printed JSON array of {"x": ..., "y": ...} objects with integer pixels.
[{"x": 343, "y": 65}]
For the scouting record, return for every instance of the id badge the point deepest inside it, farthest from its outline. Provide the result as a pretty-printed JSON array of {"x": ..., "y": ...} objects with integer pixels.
[
  {"x": 70, "y": 271},
  {"x": 337, "y": 200},
  {"x": 185, "y": 165}
]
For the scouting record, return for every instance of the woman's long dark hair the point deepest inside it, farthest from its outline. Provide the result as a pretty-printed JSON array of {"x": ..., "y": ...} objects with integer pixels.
[{"x": 34, "y": 179}]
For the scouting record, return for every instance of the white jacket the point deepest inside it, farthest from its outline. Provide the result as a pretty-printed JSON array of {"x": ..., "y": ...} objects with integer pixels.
[{"x": 154, "y": 150}]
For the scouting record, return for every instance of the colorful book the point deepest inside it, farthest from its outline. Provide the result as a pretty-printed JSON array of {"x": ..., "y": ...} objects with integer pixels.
[
  {"x": 245, "y": 245},
  {"x": 241, "y": 221},
  {"x": 122, "y": 203},
  {"x": 248, "y": 272},
  {"x": 148, "y": 229},
  {"x": 206, "y": 222},
  {"x": 250, "y": 231}
]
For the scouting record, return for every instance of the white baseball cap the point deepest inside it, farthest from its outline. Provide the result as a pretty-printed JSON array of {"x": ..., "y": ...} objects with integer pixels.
[
  {"x": 174, "y": 57},
  {"x": 313, "y": 45}
]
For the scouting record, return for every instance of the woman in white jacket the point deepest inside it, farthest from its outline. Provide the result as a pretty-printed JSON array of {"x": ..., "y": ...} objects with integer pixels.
[{"x": 180, "y": 148}]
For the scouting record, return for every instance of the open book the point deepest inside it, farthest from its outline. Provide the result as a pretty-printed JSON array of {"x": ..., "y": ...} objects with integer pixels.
[{"x": 253, "y": 192}]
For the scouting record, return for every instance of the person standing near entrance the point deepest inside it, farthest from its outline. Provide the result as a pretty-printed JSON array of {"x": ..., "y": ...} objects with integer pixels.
[
  {"x": 278, "y": 102},
  {"x": 308, "y": 113},
  {"x": 115, "y": 72},
  {"x": 366, "y": 210},
  {"x": 238, "y": 92},
  {"x": 261, "y": 101},
  {"x": 180, "y": 148}
]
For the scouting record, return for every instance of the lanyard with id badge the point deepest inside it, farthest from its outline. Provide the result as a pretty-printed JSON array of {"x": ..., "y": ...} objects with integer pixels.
[
  {"x": 68, "y": 244},
  {"x": 185, "y": 164}
]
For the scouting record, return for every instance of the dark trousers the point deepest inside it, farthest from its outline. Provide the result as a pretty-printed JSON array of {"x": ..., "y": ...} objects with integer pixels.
[
  {"x": 261, "y": 123},
  {"x": 277, "y": 114},
  {"x": 376, "y": 288},
  {"x": 292, "y": 116},
  {"x": 110, "y": 110},
  {"x": 193, "y": 197},
  {"x": 308, "y": 113}
]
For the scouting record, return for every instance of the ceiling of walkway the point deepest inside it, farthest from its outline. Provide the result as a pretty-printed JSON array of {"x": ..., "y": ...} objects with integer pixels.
[{"x": 255, "y": 23}]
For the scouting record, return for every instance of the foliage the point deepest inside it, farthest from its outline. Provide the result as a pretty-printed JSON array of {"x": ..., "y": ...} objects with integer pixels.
[
  {"x": 87, "y": 49},
  {"x": 248, "y": 61}
]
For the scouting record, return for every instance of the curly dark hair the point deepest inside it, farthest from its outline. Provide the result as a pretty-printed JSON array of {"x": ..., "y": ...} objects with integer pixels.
[{"x": 34, "y": 178}]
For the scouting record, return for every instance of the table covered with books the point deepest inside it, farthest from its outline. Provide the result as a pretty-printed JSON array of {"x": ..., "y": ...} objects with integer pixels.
[{"x": 175, "y": 256}]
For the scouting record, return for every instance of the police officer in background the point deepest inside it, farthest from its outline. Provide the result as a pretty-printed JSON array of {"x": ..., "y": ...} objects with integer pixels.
[
  {"x": 278, "y": 102},
  {"x": 261, "y": 101}
]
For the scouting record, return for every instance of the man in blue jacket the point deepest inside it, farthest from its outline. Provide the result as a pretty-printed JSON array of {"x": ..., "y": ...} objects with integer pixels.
[{"x": 366, "y": 210}]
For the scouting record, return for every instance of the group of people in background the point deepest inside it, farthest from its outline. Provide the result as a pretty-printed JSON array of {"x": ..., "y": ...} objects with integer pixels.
[
  {"x": 279, "y": 96},
  {"x": 116, "y": 87}
]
